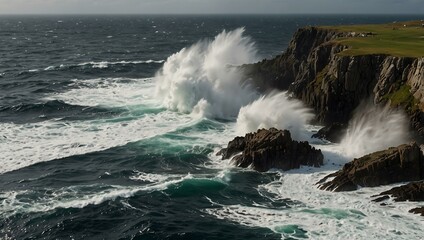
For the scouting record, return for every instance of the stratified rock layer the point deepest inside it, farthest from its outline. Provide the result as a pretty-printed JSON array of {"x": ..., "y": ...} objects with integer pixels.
[
  {"x": 271, "y": 148},
  {"x": 399, "y": 164}
]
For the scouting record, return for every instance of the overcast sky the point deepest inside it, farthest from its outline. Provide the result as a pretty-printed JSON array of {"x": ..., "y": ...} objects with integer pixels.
[{"x": 209, "y": 6}]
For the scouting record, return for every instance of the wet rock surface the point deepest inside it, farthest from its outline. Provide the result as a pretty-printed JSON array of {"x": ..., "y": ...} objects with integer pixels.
[
  {"x": 413, "y": 192},
  {"x": 266, "y": 149},
  {"x": 333, "y": 132},
  {"x": 399, "y": 164}
]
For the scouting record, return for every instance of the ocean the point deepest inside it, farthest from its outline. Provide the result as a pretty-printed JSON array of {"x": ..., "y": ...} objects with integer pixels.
[{"x": 110, "y": 125}]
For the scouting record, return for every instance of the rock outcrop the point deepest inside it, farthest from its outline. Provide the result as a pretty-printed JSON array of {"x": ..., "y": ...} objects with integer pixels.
[
  {"x": 314, "y": 70},
  {"x": 271, "y": 148},
  {"x": 413, "y": 192},
  {"x": 399, "y": 164},
  {"x": 333, "y": 132},
  {"x": 419, "y": 210}
]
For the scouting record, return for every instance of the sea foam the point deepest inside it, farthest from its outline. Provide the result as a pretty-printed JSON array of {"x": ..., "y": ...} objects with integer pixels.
[
  {"x": 275, "y": 110},
  {"x": 26, "y": 144}
]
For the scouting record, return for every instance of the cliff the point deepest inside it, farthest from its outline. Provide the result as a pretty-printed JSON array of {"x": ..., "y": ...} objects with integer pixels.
[{"x": 319, "y": 69}]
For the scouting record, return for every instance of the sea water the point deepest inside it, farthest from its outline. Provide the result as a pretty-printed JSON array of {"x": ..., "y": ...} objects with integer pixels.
[{"x": 109, "y": 126}]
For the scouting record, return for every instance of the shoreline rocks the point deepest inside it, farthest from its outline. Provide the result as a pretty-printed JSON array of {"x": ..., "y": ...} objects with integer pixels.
[
  {"x": 399, "y": 164},
  {"x": 333, "y": 132},
  {"x": 419, "y": 210},
  {"x": 413, "y": 192},
  {"x": 266, "y": 149}
]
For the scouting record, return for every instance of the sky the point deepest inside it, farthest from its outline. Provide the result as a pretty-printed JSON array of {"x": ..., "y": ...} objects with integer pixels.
[{"x": 210, "y": 6}]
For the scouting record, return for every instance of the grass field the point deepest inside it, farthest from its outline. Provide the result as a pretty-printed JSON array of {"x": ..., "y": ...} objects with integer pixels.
[{"x": 404, "y": 39}]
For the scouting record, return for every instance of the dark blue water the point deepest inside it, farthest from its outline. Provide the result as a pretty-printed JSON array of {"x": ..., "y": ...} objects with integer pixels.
[{"x": 86, "y": 155}]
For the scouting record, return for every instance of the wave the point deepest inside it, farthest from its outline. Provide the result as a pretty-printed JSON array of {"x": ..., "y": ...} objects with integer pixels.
[
  {"x": 92, "y": 64},
  {"x": 275, "y": 110},
  {"x": 26, "y": 144},
  {"x": 309, "y": 212},
  {"x": 374, "y": 128},
  {"x": 15, "y": 202},
  {"x": 81, "y": 196},
  {"x": 201, "y": 80},
  {"x": 54, "y": 109},
  {"x": 46, "y": 106},
  {"x": 108, "y": 92},
  {"x": 106, "y": 64}
]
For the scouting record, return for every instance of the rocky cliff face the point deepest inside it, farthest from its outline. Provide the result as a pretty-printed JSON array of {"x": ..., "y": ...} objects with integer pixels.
[{"x": 333, "y": 84}]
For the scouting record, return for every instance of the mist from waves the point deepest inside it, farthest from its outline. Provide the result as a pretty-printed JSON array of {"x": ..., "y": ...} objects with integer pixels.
[
  {"x": 275, "y": 110},
  {"x": 374, "y": 128},
  {"x": 202, "y": 79}
]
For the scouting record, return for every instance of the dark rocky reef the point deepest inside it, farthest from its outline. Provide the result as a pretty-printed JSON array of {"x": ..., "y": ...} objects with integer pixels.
[
  {"x": 399, "y": 164},
  {"x": 419, "y": 210},
  {"x": 333, "y": 132},
  {"x": 413, "y": 192},
  {"x": 314, "y": 70},
  {"x": 271, "y": 148}
]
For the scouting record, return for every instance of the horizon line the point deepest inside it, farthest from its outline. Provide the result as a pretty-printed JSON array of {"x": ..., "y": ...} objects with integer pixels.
[{"x": 201, "y": 14}]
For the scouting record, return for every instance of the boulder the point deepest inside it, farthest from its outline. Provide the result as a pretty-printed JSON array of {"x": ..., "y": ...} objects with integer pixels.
[
  {"x": 333, "y": 132},
  {"x": 398, "y": 164},
  {"x": 271, "y": 148}
]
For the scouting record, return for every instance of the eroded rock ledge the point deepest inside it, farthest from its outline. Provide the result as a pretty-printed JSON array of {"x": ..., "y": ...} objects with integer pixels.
[
  {"x": 271, "y": 148},
  {"x": 399, "y": 164}
]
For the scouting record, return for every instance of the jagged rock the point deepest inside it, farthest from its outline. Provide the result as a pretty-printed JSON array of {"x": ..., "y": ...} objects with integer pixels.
[
  {"x": 333, "y": 132},
  {"x": 397, "y": 164},
  {"x": 271, "y": 148},
  {"x": 334, "y": 84},
  {"x": 413, "y": 192},
  {"x": 410, "y": 192},
  {"x": 419, "y": 210},
  {"x": 235, "y": 146}
]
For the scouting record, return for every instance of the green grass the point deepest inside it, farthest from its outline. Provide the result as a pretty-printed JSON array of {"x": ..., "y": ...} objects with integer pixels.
[
  {"x": 405, "y": 39},
  {"x": 403, "y": 97}
]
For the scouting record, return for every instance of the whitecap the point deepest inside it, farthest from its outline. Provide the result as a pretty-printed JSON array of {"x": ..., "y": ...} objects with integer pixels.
[{"x": 201, "y": 80}]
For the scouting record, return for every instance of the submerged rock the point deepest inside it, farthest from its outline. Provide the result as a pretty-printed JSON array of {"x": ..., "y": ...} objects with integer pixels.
[
  {"x": 271, "y": 148},
  {"x": 398, "y": 164},
  {"x": 333, "y": 132}
]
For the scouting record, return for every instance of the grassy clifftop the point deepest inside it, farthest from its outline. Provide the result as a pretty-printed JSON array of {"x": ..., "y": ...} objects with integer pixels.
[{"x": 403, "y": 39}]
